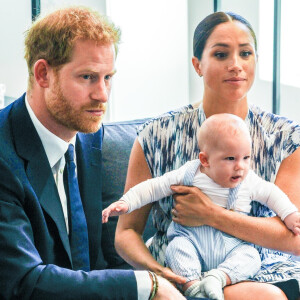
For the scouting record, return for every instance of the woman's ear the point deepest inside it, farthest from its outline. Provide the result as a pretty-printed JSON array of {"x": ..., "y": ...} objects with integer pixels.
[
  {"x": 196, "y": 64},
  {"x": 41, "y": 73},
  {"x": 204, "y": 159}
]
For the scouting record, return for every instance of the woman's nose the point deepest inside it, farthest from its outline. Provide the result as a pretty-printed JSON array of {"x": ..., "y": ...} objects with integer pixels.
[{"x": 235, "y": 64}]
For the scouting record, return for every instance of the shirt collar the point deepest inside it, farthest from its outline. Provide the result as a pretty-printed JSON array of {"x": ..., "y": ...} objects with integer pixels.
[{"x": 54, "y": 146}]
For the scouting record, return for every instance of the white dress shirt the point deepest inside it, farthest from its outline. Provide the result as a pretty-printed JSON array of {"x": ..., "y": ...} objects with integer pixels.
[{"x": 55, "y": 149}]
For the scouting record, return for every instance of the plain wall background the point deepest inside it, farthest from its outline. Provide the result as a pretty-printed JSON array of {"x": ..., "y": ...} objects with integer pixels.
[{"x": 154, "y": 69}]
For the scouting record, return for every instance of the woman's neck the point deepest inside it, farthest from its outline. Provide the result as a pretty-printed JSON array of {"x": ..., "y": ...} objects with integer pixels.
[{"x": 217, "y": 106}]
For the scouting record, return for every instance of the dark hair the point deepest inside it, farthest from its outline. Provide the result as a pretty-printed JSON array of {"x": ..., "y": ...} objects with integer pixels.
[{"x": 208, "y": 24}]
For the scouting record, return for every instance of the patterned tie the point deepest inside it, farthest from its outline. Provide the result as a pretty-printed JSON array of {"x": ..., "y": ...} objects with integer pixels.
[
  {"x": 78, "y": 234},
  {"x": 232, "y": 197}
]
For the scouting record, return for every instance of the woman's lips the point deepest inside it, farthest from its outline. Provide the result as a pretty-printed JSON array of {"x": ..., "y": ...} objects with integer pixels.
[{"x": 235, "y": 80}]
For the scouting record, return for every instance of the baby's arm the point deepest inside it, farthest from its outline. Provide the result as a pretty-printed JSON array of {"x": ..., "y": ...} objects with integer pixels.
[
  {"x": 271, "y": 195},
  {"x": 292, "y": 222},
  {"x": 143, "y": 193},
  {"x": 153, "y": 189},
  {"x": 115, "y": 209}
]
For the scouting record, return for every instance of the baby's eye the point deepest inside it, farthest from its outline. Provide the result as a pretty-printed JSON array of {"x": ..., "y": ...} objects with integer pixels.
[
  {"x": 247, "y": 157},
  {"x": 229, "y": 158}
]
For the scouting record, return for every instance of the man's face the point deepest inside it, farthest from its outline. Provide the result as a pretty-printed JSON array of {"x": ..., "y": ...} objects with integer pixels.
[{"x": 78, "y": 93}]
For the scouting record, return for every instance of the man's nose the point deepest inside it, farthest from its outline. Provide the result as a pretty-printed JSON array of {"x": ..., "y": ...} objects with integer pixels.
[{"x": 100, "y": 91}]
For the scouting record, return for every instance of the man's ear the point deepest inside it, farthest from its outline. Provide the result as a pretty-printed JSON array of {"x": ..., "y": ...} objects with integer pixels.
[
  {"x": 196, "y": 64},
  {"x": 204, "y": 159},
  {"x": 41, "y": 71}
]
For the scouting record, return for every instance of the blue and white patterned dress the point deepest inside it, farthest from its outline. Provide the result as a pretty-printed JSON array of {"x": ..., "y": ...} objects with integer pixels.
[{"x": 170, "y": 140}]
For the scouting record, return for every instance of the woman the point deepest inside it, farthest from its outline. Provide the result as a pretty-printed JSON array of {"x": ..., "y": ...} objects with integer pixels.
[{"x": 225, "y": 55}]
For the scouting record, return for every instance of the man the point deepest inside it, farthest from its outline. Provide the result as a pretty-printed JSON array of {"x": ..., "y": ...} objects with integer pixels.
[{"x": 50, "y": 247}]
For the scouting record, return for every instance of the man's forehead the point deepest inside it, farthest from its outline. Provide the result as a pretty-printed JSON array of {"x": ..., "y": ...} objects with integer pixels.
[{"x": 88, "y": 53}]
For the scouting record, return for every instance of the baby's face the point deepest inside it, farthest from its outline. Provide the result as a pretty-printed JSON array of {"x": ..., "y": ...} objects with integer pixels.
[{"x": 229, "y": 161}]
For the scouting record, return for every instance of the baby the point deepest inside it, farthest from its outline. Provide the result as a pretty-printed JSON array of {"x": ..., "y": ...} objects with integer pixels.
[{"x": 221, "y": 172}]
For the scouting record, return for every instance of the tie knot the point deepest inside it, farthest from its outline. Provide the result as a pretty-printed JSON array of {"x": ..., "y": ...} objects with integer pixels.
[{"x": 69, "y": 155}]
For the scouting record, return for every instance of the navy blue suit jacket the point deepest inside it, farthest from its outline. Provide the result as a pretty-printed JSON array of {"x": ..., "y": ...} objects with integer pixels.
[{"x": 35, "y": 259}]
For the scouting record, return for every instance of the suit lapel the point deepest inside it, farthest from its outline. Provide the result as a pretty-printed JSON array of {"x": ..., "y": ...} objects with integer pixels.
[
  {"x": 88, "y": 153},
  {"x": 30, "y": 148},
  {"x": 49, "y": 199}
]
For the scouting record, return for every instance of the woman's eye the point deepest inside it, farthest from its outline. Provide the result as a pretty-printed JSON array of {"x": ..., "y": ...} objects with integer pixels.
[
  {"x": 220, "y": 55},
  {"x": 246, "y": 53}
]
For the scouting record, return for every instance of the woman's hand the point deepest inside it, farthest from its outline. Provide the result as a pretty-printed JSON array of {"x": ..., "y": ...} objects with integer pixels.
[
  {"x": 171, "y": 276},
  {"x": 192, "y": 207}
]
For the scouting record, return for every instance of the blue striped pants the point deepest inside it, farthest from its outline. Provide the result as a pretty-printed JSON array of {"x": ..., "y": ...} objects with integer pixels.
[{"x": 192, "y": 250}]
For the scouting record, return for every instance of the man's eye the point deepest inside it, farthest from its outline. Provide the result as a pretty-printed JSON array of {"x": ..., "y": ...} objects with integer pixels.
[
  {"x": 87, "y": 76},
  {"x": 108, "y": 77},
  {"x": 220, "y": 55},
  {"x": 246, "y": 53}
]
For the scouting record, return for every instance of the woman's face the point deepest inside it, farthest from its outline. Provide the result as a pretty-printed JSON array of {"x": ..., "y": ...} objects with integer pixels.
[{"x": 228, "y": 62}]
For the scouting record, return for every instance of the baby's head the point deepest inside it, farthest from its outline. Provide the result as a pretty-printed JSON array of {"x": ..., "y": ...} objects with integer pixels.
[{"x": 225, "y": 146}]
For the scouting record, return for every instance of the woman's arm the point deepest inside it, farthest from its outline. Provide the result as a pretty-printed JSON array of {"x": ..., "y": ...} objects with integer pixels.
[
  {"x": 128, "y": 239},
  {"x": 193, "y": 208}
]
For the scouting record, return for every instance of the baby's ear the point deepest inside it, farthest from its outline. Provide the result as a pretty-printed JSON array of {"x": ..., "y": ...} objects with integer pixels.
[{"x": 204, "y": 159}]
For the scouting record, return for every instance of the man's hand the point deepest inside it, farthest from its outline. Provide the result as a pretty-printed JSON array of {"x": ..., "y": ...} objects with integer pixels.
[
  {"x": 192, "y": 207},
  {"x": 166, "y": 291},
  {"x": 115, "y": 209},
  {"x": 292, "y": 221}
]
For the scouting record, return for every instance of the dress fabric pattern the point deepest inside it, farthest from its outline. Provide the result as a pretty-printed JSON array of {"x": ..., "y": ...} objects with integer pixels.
[{"x": 170, "y": 140}]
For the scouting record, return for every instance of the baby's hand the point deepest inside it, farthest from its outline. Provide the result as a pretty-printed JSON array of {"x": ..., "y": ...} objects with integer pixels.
[
  {"x": 115, "y": 209},
  {"x": 292, "y": 221}
]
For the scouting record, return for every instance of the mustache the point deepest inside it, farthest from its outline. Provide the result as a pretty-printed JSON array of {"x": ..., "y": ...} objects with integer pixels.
[{"x": 95, "y": 106}]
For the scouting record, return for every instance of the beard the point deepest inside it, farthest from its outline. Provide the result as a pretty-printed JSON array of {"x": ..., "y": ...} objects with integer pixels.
[{"x": 64, "y": 113}]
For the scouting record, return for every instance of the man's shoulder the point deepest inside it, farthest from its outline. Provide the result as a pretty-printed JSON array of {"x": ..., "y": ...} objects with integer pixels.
[
  {"x": 91, "y": 140},
  {"x": 7, "y": 112},
  {"x": 4, "y": 117},
  {"x": 6, "y": 138},
  {"x": 15, "y": 133}
]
